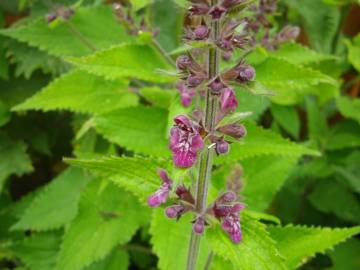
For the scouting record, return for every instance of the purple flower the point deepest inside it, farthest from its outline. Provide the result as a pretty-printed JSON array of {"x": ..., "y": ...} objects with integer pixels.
[
  {"x": 161, "y": 195},
  {"x": 198, "y": 9},
  {"x": 185, "y": 142},
  {"x": 200, "y": 32},
  {"x": 187, "y": 94},
  {"x": 222, "y": 147},
  {"x": 199, "y": 225},
  {"x": 184, "y": 194},
  {"x": 216, "y": 86},
  {"x": 228, "y": 101},
  {"x": 245, "y": 73},
  {"x": 237, "y": 131},
  {"x": 194, "y": 80},
  {"x": 217, "y": 12},
  {"x": 231, "y": 224},
  {"x": 175, "y": 211},
  {"x": 183, "y": 62}
]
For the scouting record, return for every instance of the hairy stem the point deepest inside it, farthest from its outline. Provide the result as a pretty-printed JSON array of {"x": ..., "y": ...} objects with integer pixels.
[
  {"x": 206, "y": 159},
  {"x": 209, "y": 260}
]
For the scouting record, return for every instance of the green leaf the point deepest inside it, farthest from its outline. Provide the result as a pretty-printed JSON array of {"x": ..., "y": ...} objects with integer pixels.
[
  {"x": 345, "y": 256},
  {"x": 298, "y": 243},
  {"x": 259, "y": 141},
  {"x": 17, "y": 160},
  {"x": 117, "y": 260},
  {"x": 288, "y": 81},
  {"x": 337, "y": 200},
  {"x": 72, "y": 38},
  {"x": 354, "y": 53},
  {"x": 39, "y": 251},
  {"x": 317, "y": 124},
  {"x": 219, "y": 263},
  {"x": 321, "y": 22},
  {"x": 288, "y": 119},
  {"x": 140, "y": 129},
  {"x": 256, "y": 251},
  {"x": 137, "y": 175},
  {"x": 300, "y": 55},
  {"x": 29, "y": 59},
  {"x": 79, "y": 91},
  {"x": 56, "y": 205},
  {"x": 170, "y": 240},
  {"x": 157, "y": 96},
  {"x": 349, "y": 107},
  {"x": 128, "y": 60},
  {"x": 257, "y": 104},
  {"x": 107, "y": 217},
  {"x": 345, "y": 134}
]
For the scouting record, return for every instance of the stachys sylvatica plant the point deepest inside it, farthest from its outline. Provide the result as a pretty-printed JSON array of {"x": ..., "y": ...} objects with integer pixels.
[{"x": 201, "y": 135}]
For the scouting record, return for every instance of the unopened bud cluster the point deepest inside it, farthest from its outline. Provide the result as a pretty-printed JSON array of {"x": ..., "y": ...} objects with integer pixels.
[{"x": 62, "y": 12}]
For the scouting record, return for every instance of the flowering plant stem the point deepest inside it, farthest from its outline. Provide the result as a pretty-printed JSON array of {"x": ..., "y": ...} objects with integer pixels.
[{"x": 206, "y": 159}]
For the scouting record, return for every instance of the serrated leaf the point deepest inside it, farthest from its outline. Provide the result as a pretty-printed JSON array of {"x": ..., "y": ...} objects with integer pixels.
[
  {"x": 100, "y": 35},
  {"x": 117, "y": 260},
  {"x": 128, "y": 60},
  {"x": 287, "y": 118},
  {"x": 298, "y": 243},
  {"x": 107, "y": 216},
  {"x": 39, "y": 251},
  {"x": 170, "y": 240},
  {"x": 256, "y": 251},
  {"x": 337, "y": 200},
  {"x": 17, "y": 160},
  {"x": 349, "y": 107},
  {"x": 79, "y": 91},
  {"x": 300, "y": 55},
  {"x": 259, "y": 141},
  {"x": 140, "y": 129},
  {"x": 137, "y": 175},
  {"x": 288, "y": 81},
  {"x": 55, "y": 205},
  {"x": 345, "y": 256}
]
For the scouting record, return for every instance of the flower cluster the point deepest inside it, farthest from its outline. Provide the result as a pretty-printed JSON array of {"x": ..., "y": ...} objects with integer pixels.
[
  {"x": 191, "y": 134},
  {"x": 226, "y": 208},
  {"x": 61, "y": 12}
]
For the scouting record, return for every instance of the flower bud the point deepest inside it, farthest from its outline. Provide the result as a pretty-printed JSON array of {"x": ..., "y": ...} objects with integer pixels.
[
  {"x": 194, "y": 80},
  {"x": 174, "y": 211},
  {"x": 199, "y": 225},
  {"x": 245, "y": 72},
  {"x": 222, "y": 147},
  {"x": 287, "y": 33},
  {"x": 228, "y": 197},
  {"x": 237, "y": 131},
  {"x": 201, "y": 32},
  {"x": 216, "y": 86},
  {"x": 217, "y": 12},
  {"x": 198, "y": 9},
  {"x": 51, "y": 17},
  {"x": 183, "y": 62}
]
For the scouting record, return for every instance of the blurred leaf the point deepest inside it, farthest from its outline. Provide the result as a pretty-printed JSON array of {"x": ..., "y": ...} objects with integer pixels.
[
  {"x": 72, "y": 38},
  {"x": 288, "y": 119},
  {"x": 123, "y": 61},
  {"x": 14, "y": 159},
  {"x": 39, "y": 251},
  {"x": 297, "y": 243},
  {"x": 79, "y": 91},
  {"x": 321, "y": 22},
  {"x": 219, "y": 263},
  {"x": 300, "y": 55},
  {"x": 107, "y": 216},
  {"x": 354, "y": 52},
  {"x": 140, "y": 129},
  {"x": 345, "y": 134},
  {"x": 170, "y": 26},
  {"x": 170, "y": 240},
  {"x": 288, "y": 81},
  {"x": 349, "y": 107},
  {"x": 4, "y": 69},
  {"x": 56, "y": 205},
  {"x": 337, "y": 200},
  {"x": 256, "y": 251},
  {"x": 345, "y": 256},
  {"x": 117, "y": 260},
  {"x": 316, "y": 121}
]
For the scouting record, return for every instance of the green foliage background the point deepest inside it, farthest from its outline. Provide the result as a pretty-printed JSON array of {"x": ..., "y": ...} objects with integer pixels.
[{"x": 86, "y": 90}]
